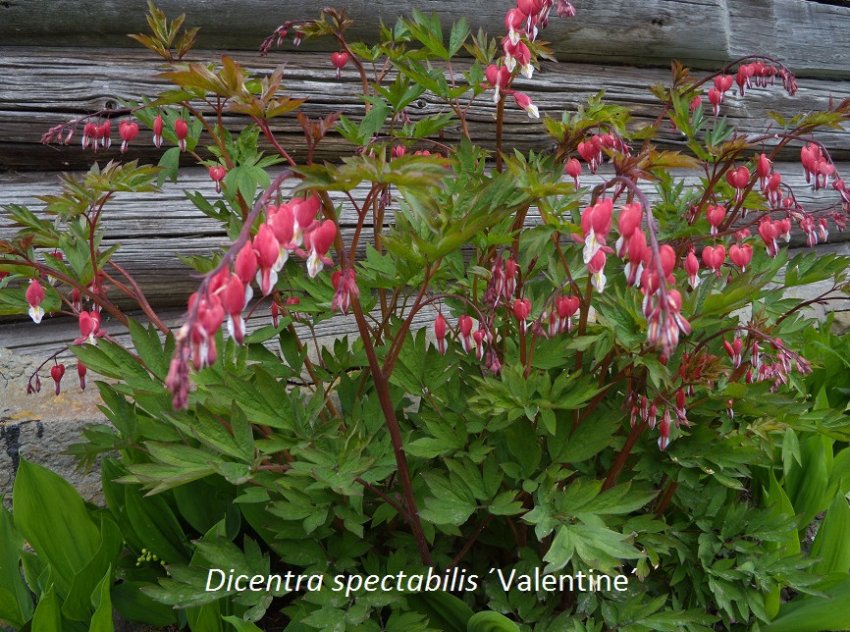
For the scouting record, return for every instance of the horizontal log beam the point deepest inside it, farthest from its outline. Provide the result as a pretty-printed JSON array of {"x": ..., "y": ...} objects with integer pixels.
[
  {"x": 45, "y": 87},
  {"x": 150, "y": 240},
  {"x": 804, "y": 33},
  {"x": 54, "y": 334}
]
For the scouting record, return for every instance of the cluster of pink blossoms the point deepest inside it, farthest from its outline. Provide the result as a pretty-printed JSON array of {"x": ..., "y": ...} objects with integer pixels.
[
  {"x": 501, "y": 292},
  {"x": 759, "y": 74},
  {"x": 291, "y": 227},
  {"x": 523, "y": 23},
  {"x": 98, "y": 135}
]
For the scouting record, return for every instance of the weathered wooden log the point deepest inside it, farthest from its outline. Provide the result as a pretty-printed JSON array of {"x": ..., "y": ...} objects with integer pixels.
[
  {"x": 152, "y": 229},
  {"x": 42, "y": 88},
  {"x": 54, "y": 334},
  {"x": 807, "y": 34}
]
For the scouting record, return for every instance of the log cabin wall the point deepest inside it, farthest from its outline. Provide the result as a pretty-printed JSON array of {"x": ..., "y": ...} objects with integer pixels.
[{"x": 62, "y": 59}]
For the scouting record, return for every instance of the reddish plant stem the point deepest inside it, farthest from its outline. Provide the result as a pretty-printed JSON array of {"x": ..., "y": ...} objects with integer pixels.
[
  {"x": 665, "y": 500},
  {"x": 383, "y": 390},
  {"x": 623, "y": 455},
  {"x": 391, "y": 502},
  {"x": 468, "y": 544},
  {"x": 142, "y": 300},
  {"x": 398, "y": 340}
]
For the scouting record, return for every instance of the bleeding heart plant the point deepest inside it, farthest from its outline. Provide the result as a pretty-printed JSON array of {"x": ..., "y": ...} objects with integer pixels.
[{"x": 555, "y": 370}]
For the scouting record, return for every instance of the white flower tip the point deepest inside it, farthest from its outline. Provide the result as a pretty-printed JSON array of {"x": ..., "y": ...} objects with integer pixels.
[
  {"x": 36, "y": 313},
  {"x": 314, "y": 264},
  {"x": 532, "y": 111}
]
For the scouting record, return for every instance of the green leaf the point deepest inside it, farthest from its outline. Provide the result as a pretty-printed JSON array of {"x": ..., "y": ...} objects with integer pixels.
[
  {"x": 458, "y": 35},
  {"x": 149, "y": 348},
  {"x": 156, "y": 525},
  {"x": 815, "y": 614},
  {"x": 206, "y": 618},
  {"x": 490, "y": 622},
  {"x": 374, "y": 120},
  {"x": 16, "y": 605},
  {"x": 47, "y": 617},
  {"x": 169, "y": 162},
  {"x": 51, "y": 516},
  {"x": 832, "y": 543},
  {"x": 78, "y": 604},
  {"x": 591, "y": 437},
  {"x": 136, "y": 606},
  {"x": 102, "y": 619},
  {"x": 790, "y": 450},
  {"x": 240, "y": 625}
]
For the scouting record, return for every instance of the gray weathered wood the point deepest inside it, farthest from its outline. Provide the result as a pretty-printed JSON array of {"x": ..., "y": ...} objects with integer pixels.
[
  {"x": 42, "y": 88},
  {"x": 153, "y": 229},
  {"x": 54, "y": 334},
  {"x": 807, "y": 33}
]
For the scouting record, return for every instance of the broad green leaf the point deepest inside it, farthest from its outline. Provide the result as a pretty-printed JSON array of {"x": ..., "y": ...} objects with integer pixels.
[
  {"x": 156, "y": 525},
  {"x": 51, "y": 516},
  {"x": 832, "y": 543},
  {"x": 16, "y": 604},
  {"x": 490, "y": 622},
  {"x": 808, "y": 613},
  {"x": 240, "y": 625},
  {"x": 47, "y": 617},
  {"x": 102, "y": 602}
]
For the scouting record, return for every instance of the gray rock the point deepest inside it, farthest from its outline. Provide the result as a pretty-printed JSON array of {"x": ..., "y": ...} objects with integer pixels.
[{"x": 41, "y": 426}]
